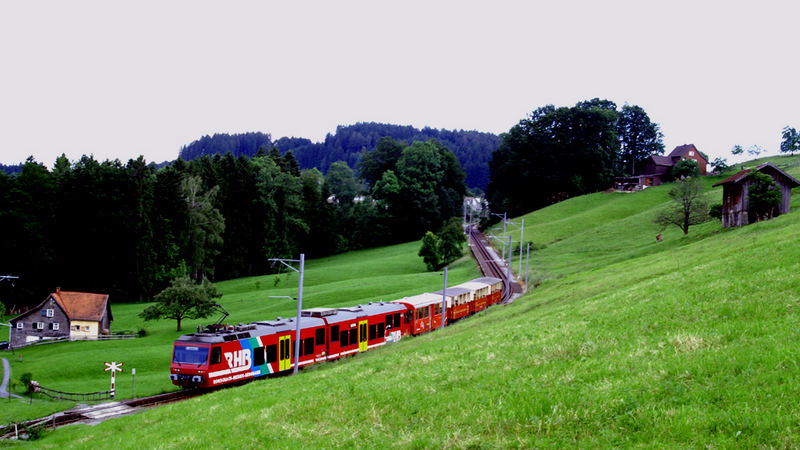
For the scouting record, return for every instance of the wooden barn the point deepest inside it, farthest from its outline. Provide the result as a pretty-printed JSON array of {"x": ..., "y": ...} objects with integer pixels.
[{"x": 735, "y": 192}]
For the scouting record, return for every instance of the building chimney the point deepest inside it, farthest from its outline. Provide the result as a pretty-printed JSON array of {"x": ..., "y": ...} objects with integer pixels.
[{"x": 58, "y": 290}]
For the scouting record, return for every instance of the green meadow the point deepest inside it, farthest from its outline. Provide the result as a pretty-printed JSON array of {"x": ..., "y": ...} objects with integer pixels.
[
  {"x": 688, "y": 342},
  {"x": 385, "y": 274}
]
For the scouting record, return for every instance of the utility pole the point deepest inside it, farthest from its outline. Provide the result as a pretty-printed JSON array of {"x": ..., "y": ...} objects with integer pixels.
[
  {"x": 302, "y": 262},
  {"x": 527, "y": 261},
  {"x": 505, "y": 220},
  {"x": 521, "y": 233},
  {"x": 444, "y": 298},
  {"x": 508, "y": 272}
]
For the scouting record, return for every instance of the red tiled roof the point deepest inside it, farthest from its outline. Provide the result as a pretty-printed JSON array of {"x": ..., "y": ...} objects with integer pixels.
[{"x": 82, "y": 305}]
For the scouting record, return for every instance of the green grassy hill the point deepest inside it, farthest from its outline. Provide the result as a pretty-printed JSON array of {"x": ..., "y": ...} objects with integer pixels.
[
  {"x": 386, "y": 273},
  {"x": 689, "y": 342}
]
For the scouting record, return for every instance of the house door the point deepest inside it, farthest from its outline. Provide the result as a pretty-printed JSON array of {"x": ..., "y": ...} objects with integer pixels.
[
  {"x": 284, "y": 353},
  {"x": 362, "y": 336}
]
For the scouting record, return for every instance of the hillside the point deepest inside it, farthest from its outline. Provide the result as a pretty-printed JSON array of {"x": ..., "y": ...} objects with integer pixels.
[
  {"x": 386, "y": 273},
  {"x": 472, "y": 148},
  {"x": 689, "y": 342}
]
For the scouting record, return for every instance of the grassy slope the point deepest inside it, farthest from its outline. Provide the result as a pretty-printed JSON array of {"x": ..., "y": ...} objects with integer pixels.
[
  {"x": 358, "y": 277},
  {"x": 688, "y": 342}
]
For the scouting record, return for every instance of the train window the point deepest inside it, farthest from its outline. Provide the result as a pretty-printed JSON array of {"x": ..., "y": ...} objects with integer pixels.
[
  {"x": 353, "y": 336},
  {"x": 389, "y": 320},
  {"x": 334, "y": 333},
  {"x": 397, "y": 320},
  {"x": 373, "y": 332},
  {"x": 380, "y": 330},
  {"x": 435, "y": 309},
  {"x": 216, "y": 355},
  {"x": 190, "y": 354},
  {"x": 309, "y": 346},
  {"x": 320, "y": 336},
  {"x": 419, "y": 314},
  {"x": 344, "y": 336},
  {"x": 272, "y": 353},
  {"x": 258, "y": 356}
]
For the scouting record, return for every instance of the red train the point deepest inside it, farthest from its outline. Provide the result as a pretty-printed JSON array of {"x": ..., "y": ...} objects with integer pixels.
[{"x": 226, "y": 354}]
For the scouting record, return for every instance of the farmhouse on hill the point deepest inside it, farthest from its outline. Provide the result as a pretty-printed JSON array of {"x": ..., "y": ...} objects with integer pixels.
[
  {"x": 74, "y": 315},
  {"x": 658, "y": 169},
  {"x": 735, "y": 190}
]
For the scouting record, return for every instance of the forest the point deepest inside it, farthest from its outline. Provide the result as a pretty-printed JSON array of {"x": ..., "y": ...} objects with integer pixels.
[
  {"x": 556, "y": 153},
  {"x": 472, "y": 148},
  {"x": 128, "y": 229}
]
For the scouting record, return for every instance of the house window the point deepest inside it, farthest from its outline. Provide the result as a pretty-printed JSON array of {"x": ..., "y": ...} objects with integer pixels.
[
  {"x": 50, "y": 312},
  {"x": 86, "y": 328},
  {"x": 56, "y": 326},
  {"x": 40, "y": 325},
  {"x": 20, "y": 325},
  {"x": 77, "y": 328},
  {"x": 691, "y": 152}
]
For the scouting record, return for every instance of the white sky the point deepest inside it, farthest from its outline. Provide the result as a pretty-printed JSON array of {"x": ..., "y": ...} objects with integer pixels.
[{"x": 80, "y": 77}]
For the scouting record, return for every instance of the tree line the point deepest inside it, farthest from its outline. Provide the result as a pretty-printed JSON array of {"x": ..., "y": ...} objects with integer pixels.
[
  {"x": 130, "y": 229},
  {"x": 473, "y": 149},
  {"x": 556, "y": 153}
]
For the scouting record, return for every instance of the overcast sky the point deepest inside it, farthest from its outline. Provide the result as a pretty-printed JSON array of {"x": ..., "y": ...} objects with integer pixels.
[{"x": 146, "y": 78}]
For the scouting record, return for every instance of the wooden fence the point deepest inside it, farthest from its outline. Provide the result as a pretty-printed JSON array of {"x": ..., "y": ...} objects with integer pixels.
[
  {"x": 101, "y": 337},
  {"x": 59, "y": 395}
]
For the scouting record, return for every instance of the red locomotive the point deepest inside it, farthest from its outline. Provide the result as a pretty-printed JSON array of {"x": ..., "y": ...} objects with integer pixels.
[{"x": 223, "y": 354}]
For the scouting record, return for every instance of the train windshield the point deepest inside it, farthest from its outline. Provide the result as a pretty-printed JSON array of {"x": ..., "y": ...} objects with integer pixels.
[{"x": 190, "y": 355}]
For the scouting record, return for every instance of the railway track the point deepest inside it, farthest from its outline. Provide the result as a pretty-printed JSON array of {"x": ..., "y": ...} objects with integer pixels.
[
  {"x": 95, "y": 413},
  {"x": 489, "y": 262}
]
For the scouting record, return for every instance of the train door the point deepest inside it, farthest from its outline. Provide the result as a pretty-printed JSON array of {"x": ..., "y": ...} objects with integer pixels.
[
  {"x": 362, "y": 336},
  {"x": 284, "y": 353}
]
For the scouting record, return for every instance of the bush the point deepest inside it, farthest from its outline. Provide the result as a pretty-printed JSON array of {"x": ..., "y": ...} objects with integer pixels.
[
  {"x": 141, "y": 332},
  {"x": 685, "y": 168},
  {"x": 715, "y": 211},
  {"x": 25, "y": 380}
]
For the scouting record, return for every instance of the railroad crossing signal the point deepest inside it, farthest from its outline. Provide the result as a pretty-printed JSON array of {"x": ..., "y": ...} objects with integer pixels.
[{"x": 113, "y": 367}]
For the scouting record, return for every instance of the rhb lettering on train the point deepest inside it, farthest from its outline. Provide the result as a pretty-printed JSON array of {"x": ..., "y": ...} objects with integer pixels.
[{"x": 239, "y": 358}]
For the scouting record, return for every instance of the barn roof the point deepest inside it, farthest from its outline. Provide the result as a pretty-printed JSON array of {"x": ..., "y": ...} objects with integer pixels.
[
  {"x": 662, "y": 160},
  {"x": 742, "y": 174}
]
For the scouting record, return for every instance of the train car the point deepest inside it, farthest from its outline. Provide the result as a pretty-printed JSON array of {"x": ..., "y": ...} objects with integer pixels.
[
  {"x": 424, "y": 312},
  {"x": 458, "y": 302},
  {"x": 497, "y": 289},
  {"x": 229, "y": 354},
  {"x": 481, "y": 292}
]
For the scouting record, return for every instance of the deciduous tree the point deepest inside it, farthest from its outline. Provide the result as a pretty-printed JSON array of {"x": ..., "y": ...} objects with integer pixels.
[
  {"x": 430, "y": 251},
  {"x": 689, "y": 206},
  {"x": 791, "y": 140},
  {"x": 763, "y": 197},
  {"x": 183, "y": 299},
  {"x": 685, "y": 168},
  {"x": 639, "y": 138}
]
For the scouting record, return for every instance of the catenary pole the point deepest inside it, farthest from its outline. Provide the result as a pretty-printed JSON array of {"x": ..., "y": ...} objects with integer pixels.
[
  {"x": 508, "y": 272},
  {"x": 527, "y": 262},
  {"x": 444, "y": 298},
  {"x": 521, "y": 234},
  {"x": 299, "y": 309}
]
